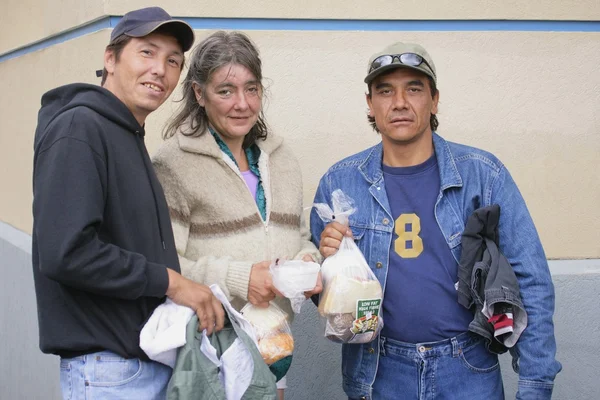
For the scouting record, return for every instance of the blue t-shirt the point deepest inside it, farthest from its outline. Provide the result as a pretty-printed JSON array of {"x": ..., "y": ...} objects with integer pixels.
[{"x": 420, "y": 302}]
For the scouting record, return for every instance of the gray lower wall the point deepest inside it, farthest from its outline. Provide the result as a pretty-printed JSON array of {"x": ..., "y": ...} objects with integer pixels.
[{"x": 26, "y": 373}]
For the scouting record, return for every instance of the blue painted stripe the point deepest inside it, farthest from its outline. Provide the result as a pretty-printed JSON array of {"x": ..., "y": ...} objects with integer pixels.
[
  {"x": 278, "y": 24},
  {"x": 392, "y": 25}
]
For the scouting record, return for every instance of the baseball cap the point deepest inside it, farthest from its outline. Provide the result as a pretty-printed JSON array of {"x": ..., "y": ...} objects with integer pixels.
[
  {"x": 142, "y": 22},
  {"x": 400, "y": 55}
]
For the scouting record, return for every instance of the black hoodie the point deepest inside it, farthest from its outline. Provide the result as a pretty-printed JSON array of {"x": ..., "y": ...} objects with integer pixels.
[{"x": 102, "y": 237}]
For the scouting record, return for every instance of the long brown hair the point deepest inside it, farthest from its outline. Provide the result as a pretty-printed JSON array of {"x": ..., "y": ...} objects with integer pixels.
[{"x": 219, "y": 49}]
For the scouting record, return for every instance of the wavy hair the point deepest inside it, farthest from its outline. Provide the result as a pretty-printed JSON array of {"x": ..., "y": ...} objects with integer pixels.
[{"x": 218, "y": 50}]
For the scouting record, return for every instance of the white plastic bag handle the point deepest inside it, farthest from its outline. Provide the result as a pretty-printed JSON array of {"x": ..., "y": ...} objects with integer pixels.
[{"x": 343, "y": 207}]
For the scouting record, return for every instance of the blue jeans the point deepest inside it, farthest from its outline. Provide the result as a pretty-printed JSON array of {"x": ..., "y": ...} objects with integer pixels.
[
  {"x": 458, "y": 368},
  {"x": 105, "y": 375}
]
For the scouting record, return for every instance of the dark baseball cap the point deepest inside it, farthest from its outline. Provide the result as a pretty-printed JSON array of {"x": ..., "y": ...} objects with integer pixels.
[{"x": 142, "y": 22}]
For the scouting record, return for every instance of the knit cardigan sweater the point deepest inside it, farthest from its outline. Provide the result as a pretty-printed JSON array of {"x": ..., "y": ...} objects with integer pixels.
[{"x": 219, "y": 233}]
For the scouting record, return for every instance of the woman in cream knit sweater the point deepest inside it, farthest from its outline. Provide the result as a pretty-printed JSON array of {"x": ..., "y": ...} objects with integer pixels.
[{"x": 233, "y": 188}]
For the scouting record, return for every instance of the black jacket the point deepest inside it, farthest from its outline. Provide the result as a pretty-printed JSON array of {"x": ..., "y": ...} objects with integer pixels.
[
  {"x": 487, "y": 283},
  {"x": 102, "y": 237}
]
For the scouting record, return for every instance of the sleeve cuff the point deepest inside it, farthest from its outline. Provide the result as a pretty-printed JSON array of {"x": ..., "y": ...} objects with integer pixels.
[
  {"x": 238, "y": 278},
  {"x": 534, "y": 390},
  {"x": 158, "y": 280}
]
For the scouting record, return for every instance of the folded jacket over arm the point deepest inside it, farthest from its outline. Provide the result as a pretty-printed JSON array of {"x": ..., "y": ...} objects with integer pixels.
[{"x": 487, "y": 283}]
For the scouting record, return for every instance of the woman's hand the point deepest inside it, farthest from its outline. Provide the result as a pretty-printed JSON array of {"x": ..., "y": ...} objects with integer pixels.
[
  {"x": 319, "y": 286},
  {"x": 260, "y": 287}
]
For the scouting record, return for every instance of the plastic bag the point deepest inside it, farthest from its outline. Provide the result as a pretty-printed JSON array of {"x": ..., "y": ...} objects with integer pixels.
[
  {"x": 294, "y": 277},
  {"x": 274, "y": 336},
  {"x": 352, "y": 296}
]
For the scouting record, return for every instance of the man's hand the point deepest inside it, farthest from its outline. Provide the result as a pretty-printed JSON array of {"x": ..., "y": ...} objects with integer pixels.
[
  {"x": 199, "y": 298},
  {"x": 331, "y": 238},
  {"x": 260, "y": 287}
]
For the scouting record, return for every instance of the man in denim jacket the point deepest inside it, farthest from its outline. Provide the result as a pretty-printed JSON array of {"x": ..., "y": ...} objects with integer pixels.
[{"x": 414, "y": 192}]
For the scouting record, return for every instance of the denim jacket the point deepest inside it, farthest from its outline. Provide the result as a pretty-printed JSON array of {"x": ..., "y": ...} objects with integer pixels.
[{"x": 469, "y": 179}]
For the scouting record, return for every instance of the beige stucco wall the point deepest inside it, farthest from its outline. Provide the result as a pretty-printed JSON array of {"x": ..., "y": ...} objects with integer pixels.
[
  {"x": 25, "y": 21},
  {"x": 379, "y": 9},
  {"x": 529, "y": 97}
]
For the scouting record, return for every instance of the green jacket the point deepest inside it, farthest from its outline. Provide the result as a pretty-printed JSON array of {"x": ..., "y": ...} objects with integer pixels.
[{"x": 196, "y": 377}]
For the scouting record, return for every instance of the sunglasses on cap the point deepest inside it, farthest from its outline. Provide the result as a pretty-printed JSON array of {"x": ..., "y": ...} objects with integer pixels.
[{"x": 410, "y": 59}]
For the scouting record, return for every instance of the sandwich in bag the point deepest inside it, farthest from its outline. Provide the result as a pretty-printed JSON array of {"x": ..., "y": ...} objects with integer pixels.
[{"x": 352, "y": 296}]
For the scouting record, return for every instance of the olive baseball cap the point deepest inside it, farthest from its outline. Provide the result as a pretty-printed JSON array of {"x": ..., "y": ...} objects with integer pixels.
[{"x": 400, "y": 55}]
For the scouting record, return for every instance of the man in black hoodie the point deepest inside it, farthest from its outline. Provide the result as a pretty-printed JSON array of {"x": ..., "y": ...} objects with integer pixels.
[{"x": 103, "y": 251}]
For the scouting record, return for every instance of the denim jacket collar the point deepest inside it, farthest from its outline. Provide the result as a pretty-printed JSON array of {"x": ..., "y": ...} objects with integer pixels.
[
  {"x": 449, "y": 175},
  {"x": 372, "y": 171},
  {"x": 370, "y": 168}
]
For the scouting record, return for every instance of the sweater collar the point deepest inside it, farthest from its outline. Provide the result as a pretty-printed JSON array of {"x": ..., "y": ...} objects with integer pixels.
[{"x": 206, "y": 144}]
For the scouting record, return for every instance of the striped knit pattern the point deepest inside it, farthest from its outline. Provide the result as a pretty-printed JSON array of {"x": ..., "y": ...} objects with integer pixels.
[{"x": 218, "y": 230}]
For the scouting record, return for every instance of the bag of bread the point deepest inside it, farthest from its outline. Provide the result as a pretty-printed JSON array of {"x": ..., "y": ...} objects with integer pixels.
[
  {"x": 274, "y": 335},
  {"x": 352, "y": 296}
]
